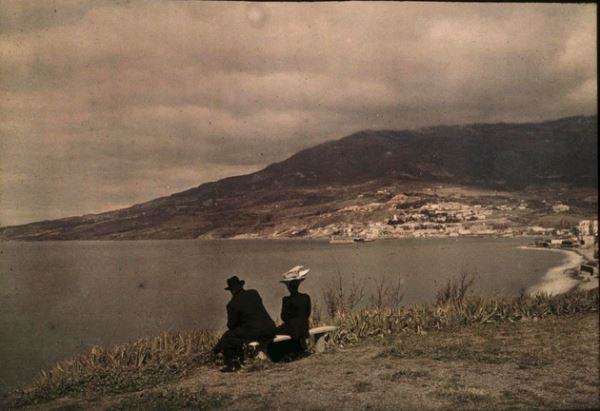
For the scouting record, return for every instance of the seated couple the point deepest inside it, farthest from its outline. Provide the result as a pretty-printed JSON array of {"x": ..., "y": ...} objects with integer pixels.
[{"x": 248, "y": 320}]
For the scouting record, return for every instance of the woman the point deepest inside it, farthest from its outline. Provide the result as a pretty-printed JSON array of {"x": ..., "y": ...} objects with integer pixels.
[{"x": 295, "y": 310}]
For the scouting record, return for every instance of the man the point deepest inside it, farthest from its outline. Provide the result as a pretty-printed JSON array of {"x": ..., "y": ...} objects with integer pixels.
[{"x": 247, "y": 320}]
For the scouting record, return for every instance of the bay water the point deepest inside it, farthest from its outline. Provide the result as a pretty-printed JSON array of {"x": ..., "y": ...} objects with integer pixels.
[{"x": 62, "y": 298}]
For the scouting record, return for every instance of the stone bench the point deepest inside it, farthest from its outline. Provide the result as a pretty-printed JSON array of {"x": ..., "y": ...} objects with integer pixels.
[{"x": 317, "y": 336}]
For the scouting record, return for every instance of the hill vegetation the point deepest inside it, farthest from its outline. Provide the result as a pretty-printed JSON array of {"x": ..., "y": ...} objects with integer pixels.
[{"x": 551, "y": 160}]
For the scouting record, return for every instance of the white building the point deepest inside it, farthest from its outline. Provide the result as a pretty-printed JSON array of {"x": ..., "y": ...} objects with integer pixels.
[{"x": 560, "y": 208}]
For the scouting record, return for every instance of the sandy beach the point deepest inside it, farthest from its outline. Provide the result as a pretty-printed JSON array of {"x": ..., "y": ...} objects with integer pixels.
[{"x": 562, "y": 278}]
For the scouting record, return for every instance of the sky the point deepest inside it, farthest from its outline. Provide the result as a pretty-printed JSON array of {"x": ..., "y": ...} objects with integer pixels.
[{"x": 108, "y": 104}]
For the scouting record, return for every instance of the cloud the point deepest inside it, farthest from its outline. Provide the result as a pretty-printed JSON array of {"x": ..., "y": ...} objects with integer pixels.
[{"x": 111, "y": 104}]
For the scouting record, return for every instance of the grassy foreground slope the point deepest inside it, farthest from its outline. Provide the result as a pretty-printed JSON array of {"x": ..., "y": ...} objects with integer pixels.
[{"x": 525, "y": 353}]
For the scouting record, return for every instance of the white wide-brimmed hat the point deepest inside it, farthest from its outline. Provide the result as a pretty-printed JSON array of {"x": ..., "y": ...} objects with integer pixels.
[{"x": 297, "y": 273}]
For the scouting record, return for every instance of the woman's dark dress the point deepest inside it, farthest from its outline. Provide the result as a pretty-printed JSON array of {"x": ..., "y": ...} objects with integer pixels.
[{"x": 295, "y": 312}]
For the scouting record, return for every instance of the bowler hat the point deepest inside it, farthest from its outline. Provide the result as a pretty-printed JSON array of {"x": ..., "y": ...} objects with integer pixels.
[{"x": 234, "y": 282}]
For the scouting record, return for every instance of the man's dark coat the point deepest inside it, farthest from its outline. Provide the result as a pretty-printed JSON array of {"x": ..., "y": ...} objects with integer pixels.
[
  {"x": 247, "y": 316},
  {"x": 247, "y": 320}
]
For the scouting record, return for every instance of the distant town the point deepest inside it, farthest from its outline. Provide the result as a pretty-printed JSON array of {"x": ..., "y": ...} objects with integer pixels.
[{"x": 414, "y": 215}]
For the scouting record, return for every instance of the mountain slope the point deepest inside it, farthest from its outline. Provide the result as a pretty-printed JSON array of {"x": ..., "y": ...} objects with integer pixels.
[{"x": 319, "y": 179}]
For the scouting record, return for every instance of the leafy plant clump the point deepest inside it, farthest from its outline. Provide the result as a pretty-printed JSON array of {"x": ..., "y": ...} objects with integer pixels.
[
  {"x": 123, "y": 368},
  {"x": 374, "y": 322}
]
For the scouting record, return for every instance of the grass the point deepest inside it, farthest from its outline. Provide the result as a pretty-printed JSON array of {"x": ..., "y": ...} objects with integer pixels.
[
  {"x": 465, "y": 397},
  {"x": 403, "y": 374},
  {"x": 536, "y": 364},
  {"x": 358, "y": 325},
  {"x": 123, "y": 368},
  {"x": 363, "y": 386},
  {"x": 152, "y": 361},
  {"x": 170, "y": 400},
  {"x": 485, "y": 347},
  {"x": 458, "y": 393}
]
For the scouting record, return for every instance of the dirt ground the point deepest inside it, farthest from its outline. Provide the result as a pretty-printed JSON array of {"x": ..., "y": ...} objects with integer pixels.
[{"x": 546, "y": 364}]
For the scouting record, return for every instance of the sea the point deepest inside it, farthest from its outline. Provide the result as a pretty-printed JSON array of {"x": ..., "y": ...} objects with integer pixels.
[{"x": 60, "y": 299}]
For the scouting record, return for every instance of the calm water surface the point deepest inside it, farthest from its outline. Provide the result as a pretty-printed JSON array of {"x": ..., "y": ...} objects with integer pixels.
[{"x": 61, "y": 298}]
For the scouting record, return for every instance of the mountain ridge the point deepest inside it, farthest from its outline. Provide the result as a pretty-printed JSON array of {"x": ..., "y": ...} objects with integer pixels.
[{"x": 504, "y": 156}]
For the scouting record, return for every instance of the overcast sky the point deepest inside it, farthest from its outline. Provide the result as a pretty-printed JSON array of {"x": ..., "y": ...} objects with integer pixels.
[{"x": 107, "y": 104}]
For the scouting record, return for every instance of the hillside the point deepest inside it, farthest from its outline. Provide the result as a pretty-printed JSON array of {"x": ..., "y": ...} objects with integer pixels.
[{"x": 554, "y": 160}]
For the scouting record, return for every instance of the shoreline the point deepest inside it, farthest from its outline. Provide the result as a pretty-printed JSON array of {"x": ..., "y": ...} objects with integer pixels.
[
  {"x": 246, "y": 237},
  {"x": 564, "y": 277}
]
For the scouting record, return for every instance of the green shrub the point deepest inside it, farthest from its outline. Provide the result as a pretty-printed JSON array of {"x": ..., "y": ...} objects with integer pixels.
[
  {"x": 123, "y": 368},
  {"x": 366, "y": 323}
]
